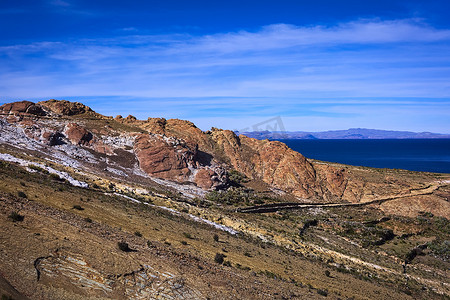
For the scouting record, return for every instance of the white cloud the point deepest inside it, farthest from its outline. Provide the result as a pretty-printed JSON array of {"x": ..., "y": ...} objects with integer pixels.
[{"x": 366, "y": 58}]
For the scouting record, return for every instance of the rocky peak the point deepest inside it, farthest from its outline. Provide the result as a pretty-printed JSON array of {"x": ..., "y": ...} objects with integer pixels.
[
  {"x": 27, "y": 107},
  {"x": 66, "y": 108}
]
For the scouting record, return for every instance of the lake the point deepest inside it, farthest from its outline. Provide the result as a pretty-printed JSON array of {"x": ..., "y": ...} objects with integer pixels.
[{"x": 429, "y": 155}]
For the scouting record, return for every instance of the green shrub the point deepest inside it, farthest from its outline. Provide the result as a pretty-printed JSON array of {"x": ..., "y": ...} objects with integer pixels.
[
  {"x": 322, "y": 292},
  {"x": 227, "y": 263},
  {"x": 21, "y": 194},
  {"x": 88, "y": 220},
  {"x": 271, "y": 274},
  {"x": 440, "y": 248},
  {"x": 187, "y": 235},
  {"x": 237, "y": 178},
  {"x": 235, "y": 196},
  {"x": 77, "y": 207},
  {"x": 38, "y": 169},
  {"x": 137, "y": 233},
  {"x": 216, "y": 238},
  {"x": 124, "y": 246},
  {"x": 16, "y": 217},
  {"x": 219, "y": 258}
]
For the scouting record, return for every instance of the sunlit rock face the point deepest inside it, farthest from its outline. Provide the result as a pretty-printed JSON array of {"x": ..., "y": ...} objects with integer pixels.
[{"x": 144, "y": 283}]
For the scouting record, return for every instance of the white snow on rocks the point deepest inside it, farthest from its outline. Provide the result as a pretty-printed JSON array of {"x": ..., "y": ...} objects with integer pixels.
[
  {"x": 121, "y": 141},
  {"x": 175, "y": 212},
  {"x": 26, "y": 163}
]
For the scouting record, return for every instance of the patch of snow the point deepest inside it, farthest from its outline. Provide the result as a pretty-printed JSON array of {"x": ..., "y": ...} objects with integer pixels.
[
  {"x": 189, "y": 191},
  {"x": 175, "y": 212},
  {"x": 15, "y": 136},
  {"x": 116, "y": 171},
  {"x": 76, "y": 152},
  {"x": 120, "y": 141},
  {"x": 26, "y": 163}
]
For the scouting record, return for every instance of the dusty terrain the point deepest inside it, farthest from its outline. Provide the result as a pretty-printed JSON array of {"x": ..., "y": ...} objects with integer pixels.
[{"x": 192, "y": 206}]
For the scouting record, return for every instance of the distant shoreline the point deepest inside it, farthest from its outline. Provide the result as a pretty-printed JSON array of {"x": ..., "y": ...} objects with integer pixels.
[{"x": 349, "y": 134}]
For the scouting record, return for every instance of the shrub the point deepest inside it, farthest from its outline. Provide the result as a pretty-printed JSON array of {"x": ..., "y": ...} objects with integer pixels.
[
  {"x": 247, "y": 254},
  {"x": 414, "y": 252},
  {"x": 187, "y": 235},
  {"x": 137, "y": 233},
  {"x": 38, "y": 169},
  {"x": 89, "y": 220},
  {"x": 235, "y": 195},
  {"x": 270, "y": 274},
  {"x": 184, "y": 243},
  {"x": 327, "y": 273},
  {"x": 16, "y": 217},
  {"x": 216, "y": 238},
  {"x": 77, "y": 207},
  {"x": 21, "y": 194},
  {"x": 56, "y": 177},
  {"x": 227, "y": 263},
  {"x": 123, "y": 246},
  {"x": 322, "y": 292},
  {"x": 307, "y": 224},
  {"x": 237, "y": 178},
  {"x": 440, "y": 248},
  {"x": 219, "y": 258}
]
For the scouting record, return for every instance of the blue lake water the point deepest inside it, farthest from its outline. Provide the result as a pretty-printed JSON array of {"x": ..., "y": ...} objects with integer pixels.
[{"x": 429, "y": 155}]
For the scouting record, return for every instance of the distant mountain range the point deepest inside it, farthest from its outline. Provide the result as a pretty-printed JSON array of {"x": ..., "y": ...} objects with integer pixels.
[{"x": 352, "y": 133}]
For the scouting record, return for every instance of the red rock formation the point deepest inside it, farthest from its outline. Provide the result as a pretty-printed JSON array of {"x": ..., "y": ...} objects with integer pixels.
[
  {"x": 203, "y": 178},
  {"x": 66, "y": 108},
  {"x": 23, "y": 107},
  {"x": 78, "y": 135},
  {"x": 166, "y": 158},
  {"x": 270, "y": 161}
]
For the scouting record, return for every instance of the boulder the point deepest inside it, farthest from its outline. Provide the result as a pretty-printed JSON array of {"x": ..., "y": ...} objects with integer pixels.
[
  {"x": 78, "y": 135},
  {"x": 164, "y": 157}
]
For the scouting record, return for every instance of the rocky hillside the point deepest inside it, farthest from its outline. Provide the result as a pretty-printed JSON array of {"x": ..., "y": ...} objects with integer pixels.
[
  {"x": 160, "y": 187},
  {"x": 179, "y": 153}
]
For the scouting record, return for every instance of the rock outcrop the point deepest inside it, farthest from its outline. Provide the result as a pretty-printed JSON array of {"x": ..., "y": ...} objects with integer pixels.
[
  {"x": 175, "y": 159},
  {"x": 22, "y": 107},
  {"x": 177, "y": 150},
  {"x": 78, "y": 135},
  {"x": 270, "y": 161},
  {"x": 163, "y": 157},
  {"x": 66, "y": 108}
]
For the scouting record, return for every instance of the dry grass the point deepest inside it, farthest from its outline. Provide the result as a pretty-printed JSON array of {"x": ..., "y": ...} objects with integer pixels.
[{"x": 278, "y": 269}]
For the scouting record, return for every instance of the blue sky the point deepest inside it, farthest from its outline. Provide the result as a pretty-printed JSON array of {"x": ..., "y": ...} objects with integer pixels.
[{"x": 319, "y": 65}]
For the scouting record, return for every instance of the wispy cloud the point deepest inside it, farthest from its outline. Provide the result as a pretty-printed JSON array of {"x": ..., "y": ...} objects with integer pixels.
[
  {"x": 60, "y": 3},
  {"x": 272, "y": 70}
]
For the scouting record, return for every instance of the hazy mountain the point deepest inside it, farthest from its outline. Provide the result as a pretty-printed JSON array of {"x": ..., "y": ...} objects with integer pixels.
[{"x": 352, "y": 133}]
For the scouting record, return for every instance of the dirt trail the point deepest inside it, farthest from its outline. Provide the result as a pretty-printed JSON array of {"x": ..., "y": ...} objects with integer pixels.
[{"x": 267, "y": 208}]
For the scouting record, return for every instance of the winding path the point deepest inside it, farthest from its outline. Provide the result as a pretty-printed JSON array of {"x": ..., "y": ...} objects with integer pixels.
[{"x": 273, "y": 207}]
